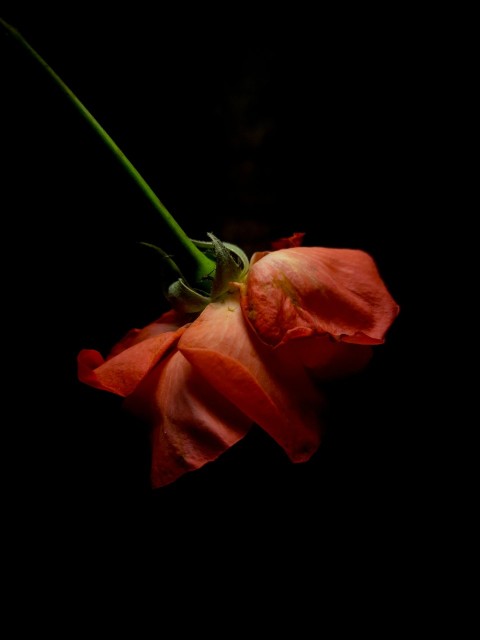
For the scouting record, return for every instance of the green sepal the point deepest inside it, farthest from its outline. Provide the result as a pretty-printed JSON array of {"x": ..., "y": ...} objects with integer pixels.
[
  {"x": 170, "y": 271},
  {"x": 185, "y": 299},
  {"x": 231, "y": 263}
]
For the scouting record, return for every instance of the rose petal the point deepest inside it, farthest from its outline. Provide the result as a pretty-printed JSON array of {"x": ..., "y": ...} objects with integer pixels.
[
  {"x": 169, "y": 321},
  {"x": 294, "y": 240},
  {"x": 325, "y": 357},
  {"x": 192, "y": 423},
  {"x": 306, "y": 291},
  {"x": 122, "y": 373},
  {"x": 273, "y": 390}
]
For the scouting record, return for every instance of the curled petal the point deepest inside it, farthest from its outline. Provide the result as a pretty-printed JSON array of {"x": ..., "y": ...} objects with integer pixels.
[
  {"x": 294, "y": 240},
  {"x": 273, "y": 390},
  {"x": 130, "y": 359},
  {"x": 308, "y": 291},
  {"x": 192, "y": 423}
]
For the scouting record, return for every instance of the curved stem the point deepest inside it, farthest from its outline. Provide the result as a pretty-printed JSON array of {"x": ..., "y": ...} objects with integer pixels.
[{"x": 194, "y": 264}]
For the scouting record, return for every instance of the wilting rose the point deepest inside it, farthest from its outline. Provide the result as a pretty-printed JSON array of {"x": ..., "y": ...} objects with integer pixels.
[{"x": 256, "y": 355}]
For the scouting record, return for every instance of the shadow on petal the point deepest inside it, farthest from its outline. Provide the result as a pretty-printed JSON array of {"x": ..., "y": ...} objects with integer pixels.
[{"x": 192, "y": 423}]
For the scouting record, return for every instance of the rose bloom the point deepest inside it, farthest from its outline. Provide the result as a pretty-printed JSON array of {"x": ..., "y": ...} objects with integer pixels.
[{"x": 255, "y": 355}]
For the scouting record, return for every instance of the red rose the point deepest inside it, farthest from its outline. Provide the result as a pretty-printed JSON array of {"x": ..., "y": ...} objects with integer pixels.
[{"x": 253, "y": 356}]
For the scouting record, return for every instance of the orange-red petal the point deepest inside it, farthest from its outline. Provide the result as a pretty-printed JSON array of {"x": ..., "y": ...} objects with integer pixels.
[
  {"x": 308, "y": 291},
  {"x": 294, "y": 240},
  {"x": 272, "y": 390},
  {"x": 131, "y": 358},
  {"x": 192, "y": 422},
  {"x": 325, "y": 357}
]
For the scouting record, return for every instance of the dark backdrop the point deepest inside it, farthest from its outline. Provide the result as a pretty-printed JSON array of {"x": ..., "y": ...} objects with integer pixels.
[{"x": 251, "y": 131}]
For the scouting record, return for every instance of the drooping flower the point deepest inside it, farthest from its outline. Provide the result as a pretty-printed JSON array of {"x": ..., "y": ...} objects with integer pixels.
[
  {"x": 244, "y": 343},
  {"x": 254, "y": 355}
]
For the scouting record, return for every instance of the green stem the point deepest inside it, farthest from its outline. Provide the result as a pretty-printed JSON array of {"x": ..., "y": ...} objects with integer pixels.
[{"x": 194, "y": 264}]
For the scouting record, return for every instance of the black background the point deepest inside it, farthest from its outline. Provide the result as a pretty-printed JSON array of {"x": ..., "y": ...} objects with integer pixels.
[{"x": 251, "y": 129}]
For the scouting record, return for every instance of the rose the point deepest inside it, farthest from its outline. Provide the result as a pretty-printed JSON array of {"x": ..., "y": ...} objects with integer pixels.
[
  {"x": 255, "y": 355},
  {"x": 241, "y": 345}
]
